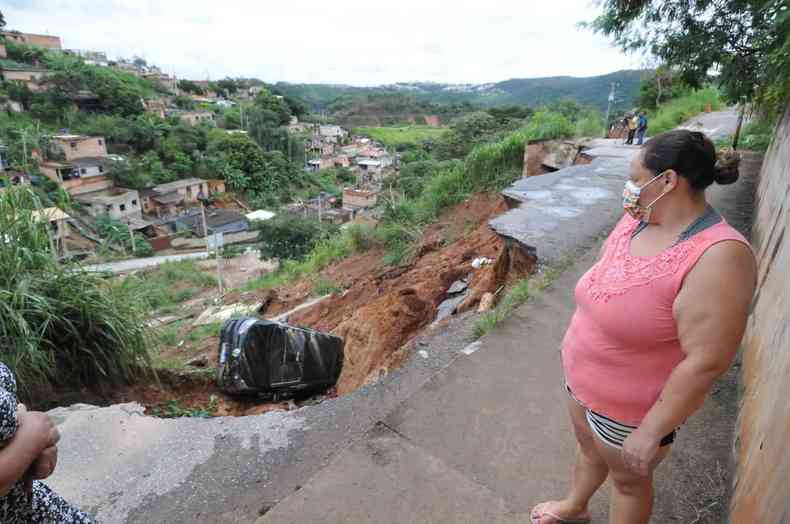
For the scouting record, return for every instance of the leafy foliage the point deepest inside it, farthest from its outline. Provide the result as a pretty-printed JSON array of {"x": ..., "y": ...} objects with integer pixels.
[
  {"x": 747, "y": 41},
  {"x": 117, "y": 233},
  {"x": 401, "y": 137},
  {"x": 290, "y": 236},
  {"x": 61, "y": 327},
  {"x": 681, "y": 109}
]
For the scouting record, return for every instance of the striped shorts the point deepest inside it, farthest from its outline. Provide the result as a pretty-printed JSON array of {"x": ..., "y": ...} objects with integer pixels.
[{"x": 610, "y": 431}]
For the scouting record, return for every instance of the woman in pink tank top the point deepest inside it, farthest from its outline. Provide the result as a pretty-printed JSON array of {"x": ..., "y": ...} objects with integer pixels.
[{"x": 658, "y": 318}]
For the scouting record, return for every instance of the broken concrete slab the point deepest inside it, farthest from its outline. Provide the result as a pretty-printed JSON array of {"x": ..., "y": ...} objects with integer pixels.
[
  {"x": 113, "y": 460},
  {"x": 448, "y": 307},
  {"x": 557, "y": 212},
  {"x": 459, "y": 286},
  {"x": 223, "y": 313},
  {"x": 283, "y": 317}
]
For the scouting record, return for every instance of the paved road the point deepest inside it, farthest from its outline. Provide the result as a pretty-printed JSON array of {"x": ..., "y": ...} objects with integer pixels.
[
  {"x": 717, "y": 124},
  {"x": 123, "y": 266},
  {"x": 449, "y": 437}
]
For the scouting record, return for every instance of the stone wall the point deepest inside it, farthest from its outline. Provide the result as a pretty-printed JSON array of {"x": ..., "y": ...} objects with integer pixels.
[{"x": 763, "y": 461}]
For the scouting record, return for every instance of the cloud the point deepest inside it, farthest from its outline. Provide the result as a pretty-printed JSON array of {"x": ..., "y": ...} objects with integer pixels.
[{"x": 355, "y": 41}]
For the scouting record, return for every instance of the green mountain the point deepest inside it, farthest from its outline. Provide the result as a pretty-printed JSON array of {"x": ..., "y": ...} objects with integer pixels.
[{"x": 592, "y": 91}]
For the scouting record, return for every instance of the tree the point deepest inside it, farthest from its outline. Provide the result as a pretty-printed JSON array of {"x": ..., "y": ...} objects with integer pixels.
[
  {"x": 289, "y": 237},
  {"x": 139, "y": 62},
  {"x": 746, "y": 41},
  {"x": 184, "y": 102},
  {"x": 267, "y": 101},
  {"x": 227, "y": 86},
  {"x": 2, "y": 20},
  {"x": 191, "y": 87},
  {"x": 465, "y": 133}
]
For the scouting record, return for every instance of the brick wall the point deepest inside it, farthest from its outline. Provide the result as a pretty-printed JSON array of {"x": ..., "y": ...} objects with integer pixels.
[
  {"x": 80, "y": 148},
  {"x": 50, "y": 42},
  {"x": 763, "y": 460},
  {"x": 31, "y": 78}
]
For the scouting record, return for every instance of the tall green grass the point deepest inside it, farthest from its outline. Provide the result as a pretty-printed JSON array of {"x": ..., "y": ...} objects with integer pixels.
[
  {"x": 354, "y": 239},
  {"x": 678, "y": 110},
  {"x": 399, "y": 135},
  {"x": 757, "y": 134},
  {"x": 169, "y": 284},
  {"x": 61, "y": 326}
]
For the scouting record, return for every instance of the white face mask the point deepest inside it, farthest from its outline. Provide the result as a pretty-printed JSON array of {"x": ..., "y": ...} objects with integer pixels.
[{"x": 631, "y": 194}]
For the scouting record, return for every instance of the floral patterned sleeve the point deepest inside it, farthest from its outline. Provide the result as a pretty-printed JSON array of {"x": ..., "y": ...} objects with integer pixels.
[
  {"x": 44, "y": 506},
  {"x": 8, "y": 405}
]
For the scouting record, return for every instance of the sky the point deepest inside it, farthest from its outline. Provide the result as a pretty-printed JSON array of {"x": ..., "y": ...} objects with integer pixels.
[{"x": 334, "y": 41}]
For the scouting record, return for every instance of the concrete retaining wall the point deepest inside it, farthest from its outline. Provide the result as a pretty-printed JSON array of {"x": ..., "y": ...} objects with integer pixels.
[{"x": 763, "y": 461}]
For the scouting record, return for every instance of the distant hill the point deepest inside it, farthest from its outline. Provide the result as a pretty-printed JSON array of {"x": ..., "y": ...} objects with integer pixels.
[{"x": 592, "y": 91}]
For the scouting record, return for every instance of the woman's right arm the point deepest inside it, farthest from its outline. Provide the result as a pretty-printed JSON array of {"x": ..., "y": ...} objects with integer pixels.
[{"x": 35, "y": 433}]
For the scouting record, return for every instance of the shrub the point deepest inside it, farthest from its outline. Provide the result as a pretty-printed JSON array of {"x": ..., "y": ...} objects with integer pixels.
[
  {"x": 290, "y": 236},
  {"x": 678, "y": 110},
  {"x": 62, "y": 326}
]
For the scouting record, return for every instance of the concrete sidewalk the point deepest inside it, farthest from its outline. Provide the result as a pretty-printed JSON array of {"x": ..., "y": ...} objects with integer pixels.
[
  {"x": 483, "y": 441},
  {"x": 489, "y": 436}
]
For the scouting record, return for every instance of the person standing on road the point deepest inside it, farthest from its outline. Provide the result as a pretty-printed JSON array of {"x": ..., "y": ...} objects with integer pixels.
[
  {"x": 632, "y": 121},
  {"x": 624, "y": 125},
  {"x": 641, "y": 128},
  {"x": 28, "y": 452},
  {"x": 658, "y": 318}
]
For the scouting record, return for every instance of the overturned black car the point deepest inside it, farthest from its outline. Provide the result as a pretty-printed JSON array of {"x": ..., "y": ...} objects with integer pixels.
[{"x": 274, "y": 361}]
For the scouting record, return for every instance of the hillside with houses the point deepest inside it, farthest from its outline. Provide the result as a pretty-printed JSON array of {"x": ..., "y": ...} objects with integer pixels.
[{"x": 156, "y": 166}]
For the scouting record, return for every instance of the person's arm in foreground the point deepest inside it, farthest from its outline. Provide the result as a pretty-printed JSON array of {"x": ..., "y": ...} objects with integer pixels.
[
  {"x": 711, "y": 312},
  {"x": 35, "y": 434}
]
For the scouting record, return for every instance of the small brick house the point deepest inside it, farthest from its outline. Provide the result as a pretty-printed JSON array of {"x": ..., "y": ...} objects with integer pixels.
[
  {"x": 45, "y": 41},
  {"x": 80, "y": 146}
]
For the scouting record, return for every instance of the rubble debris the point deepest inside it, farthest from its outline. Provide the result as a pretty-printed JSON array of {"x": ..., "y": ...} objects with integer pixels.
[
  {"x": 198, "y": 362},
  {"x": 449, "y": 306},
  {"x": 480, "y": 262},
  {"x": 486, "y": 303},
  {"x": 459, "y": 286},
  {"x": 471, "y": 348},
  {"x": 223, "y": 313}
]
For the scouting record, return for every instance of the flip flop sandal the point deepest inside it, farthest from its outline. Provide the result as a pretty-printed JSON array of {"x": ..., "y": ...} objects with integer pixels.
[{"x": 557, "y": 518}]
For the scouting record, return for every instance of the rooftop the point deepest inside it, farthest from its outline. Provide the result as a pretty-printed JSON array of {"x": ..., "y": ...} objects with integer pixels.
[
  {"x": 50, "y": 214},
  {"x": 169, "y": 198},
  {"x": 105, "y": 195},
  {"x": 89, "y": 161},
  {"x": 178, "y": 184},
  {"x": 214, "y": 217}
]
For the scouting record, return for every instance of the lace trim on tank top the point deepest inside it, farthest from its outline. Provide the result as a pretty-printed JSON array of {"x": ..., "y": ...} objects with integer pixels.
[{"x": 618, "y": 271}]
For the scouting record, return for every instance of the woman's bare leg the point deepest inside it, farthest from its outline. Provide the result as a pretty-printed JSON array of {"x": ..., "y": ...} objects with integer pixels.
[
  {"x": 589, "y": 472},
  {"x": 632, "y": 494}
]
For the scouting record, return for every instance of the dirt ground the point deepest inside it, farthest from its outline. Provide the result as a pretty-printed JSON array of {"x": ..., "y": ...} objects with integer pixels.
[{"x": 378, "y": 312}]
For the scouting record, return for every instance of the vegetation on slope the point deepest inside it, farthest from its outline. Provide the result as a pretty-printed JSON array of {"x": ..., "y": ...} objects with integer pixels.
[{"x": 61, "y": 326}]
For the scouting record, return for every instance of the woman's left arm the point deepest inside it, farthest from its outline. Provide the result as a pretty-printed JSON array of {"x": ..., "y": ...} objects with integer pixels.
[{"x": 711, "y": 311}]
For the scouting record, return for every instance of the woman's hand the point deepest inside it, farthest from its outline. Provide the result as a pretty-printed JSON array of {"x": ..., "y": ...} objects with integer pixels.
[
  {"x": 639, "y": 451},
  {"x": 45, "y": 464}
]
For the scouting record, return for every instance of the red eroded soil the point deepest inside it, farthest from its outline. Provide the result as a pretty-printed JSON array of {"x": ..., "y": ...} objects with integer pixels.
[{"x": 383, "y": 308}]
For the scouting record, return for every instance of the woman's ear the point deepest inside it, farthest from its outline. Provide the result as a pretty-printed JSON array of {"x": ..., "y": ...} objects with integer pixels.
[{"x": 670, "y": 180}]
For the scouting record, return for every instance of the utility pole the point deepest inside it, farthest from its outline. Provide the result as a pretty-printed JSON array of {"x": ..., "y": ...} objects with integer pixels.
[
  {"x": 205, "y": 227},
  {"x": 608, "y": 109},
  {"x": 131, "y": 237},
  {"x": 217, "y": 247},
  {"x": 737, "y": 135}
]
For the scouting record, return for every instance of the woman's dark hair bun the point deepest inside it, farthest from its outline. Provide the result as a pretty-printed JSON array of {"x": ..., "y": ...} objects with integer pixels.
[
  {"x": 725, "y": 171},
  {"x": 692, "y": 155}
]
